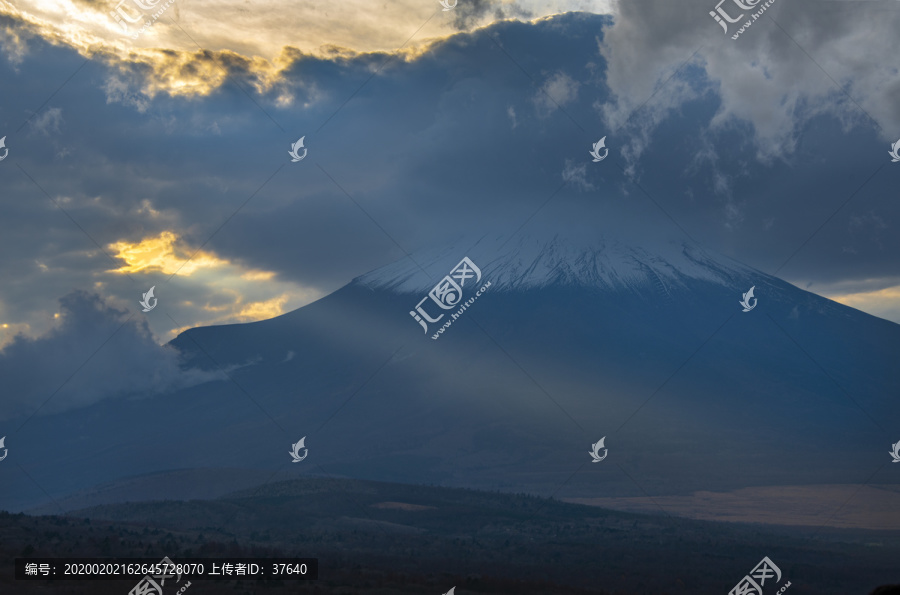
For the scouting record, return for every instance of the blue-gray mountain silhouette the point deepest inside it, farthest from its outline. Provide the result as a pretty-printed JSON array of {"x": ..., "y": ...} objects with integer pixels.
[{"x": 578, "y": 337}]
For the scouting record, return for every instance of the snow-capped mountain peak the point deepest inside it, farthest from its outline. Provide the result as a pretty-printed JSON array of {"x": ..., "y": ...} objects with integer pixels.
[{"x": 526, "y": 262}]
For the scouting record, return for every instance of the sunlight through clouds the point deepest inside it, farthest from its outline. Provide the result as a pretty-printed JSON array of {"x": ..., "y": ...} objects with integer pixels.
[
  {"x": 160, "y": 254},
  {"x": 192, "y": 47},
  {"x": 225, "y": 292}
]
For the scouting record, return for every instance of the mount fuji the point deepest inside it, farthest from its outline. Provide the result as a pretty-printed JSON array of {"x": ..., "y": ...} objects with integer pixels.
[{"x": 589, "y": 334}]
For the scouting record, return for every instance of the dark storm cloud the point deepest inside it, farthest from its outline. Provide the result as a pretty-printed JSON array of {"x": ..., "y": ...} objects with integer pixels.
[
  {"x": 750, "y": 148},
  {"x": 126, "y": 361},
  {"x": 751, "y": 151},
  {"x": 788, "y": 122}
]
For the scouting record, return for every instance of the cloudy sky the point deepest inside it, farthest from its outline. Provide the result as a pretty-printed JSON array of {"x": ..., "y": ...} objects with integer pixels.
[{"x": 148, "y": 144}]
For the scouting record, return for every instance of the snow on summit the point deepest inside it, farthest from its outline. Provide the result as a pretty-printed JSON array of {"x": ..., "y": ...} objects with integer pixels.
[{"x": 529, "y": 261}]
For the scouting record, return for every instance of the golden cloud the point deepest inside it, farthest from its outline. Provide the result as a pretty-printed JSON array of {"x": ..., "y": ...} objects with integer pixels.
[
  {"x": 883, "y": 302},
  {"x": 263, "y": 310},
  {"x": 190, "y": 49},
  {"x": 162, "y": 254},
  {"x": 236, "y": 294}
]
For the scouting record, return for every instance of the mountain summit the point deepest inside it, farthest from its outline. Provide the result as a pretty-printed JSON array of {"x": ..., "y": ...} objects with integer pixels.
[{"x": 602, "y": 262}]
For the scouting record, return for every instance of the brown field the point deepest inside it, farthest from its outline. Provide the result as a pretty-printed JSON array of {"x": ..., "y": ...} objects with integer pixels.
[{"x": 836, "y": 506}]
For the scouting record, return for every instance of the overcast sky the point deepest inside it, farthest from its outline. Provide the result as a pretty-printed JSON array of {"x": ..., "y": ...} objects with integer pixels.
[{"x": 163, "y": 160}]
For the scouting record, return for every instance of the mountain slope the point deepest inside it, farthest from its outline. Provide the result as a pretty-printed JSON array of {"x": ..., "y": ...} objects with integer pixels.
[{"x": 576, "y": 338}]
